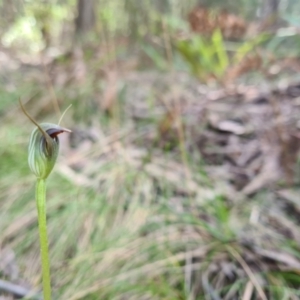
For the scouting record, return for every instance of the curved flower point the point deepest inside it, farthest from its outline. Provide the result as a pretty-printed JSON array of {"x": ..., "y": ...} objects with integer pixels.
[{"x": 43, "y": 149}]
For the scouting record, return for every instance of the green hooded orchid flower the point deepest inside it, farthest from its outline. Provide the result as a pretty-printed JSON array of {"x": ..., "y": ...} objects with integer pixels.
[
  {"x": 42, "y": 154},
  {"x": 43, "y": 149}
]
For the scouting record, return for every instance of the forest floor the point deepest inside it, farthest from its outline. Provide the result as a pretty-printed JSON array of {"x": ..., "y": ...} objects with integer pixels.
[{"x": 166, "y": 189}]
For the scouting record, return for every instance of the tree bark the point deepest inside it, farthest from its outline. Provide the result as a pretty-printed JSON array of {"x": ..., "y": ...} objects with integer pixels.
[
  {"x": 270, "y": 7},
  {"x": 85, "y": 20},
  {"x": 269, "y": 12}
]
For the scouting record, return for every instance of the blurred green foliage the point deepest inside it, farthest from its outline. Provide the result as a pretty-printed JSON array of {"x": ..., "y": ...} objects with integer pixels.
[
  {"x": 206, "y": 56},
  {"x": 32, "y": 26}
]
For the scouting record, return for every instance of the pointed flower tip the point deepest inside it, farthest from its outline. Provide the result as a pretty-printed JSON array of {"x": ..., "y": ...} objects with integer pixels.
[
  {"x": 67, "y": 130},
  {"x": 43, "y": 149}
]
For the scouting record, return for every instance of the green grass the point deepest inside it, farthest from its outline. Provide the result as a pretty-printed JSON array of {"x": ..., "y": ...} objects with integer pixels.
[{"x": 123, "y": 227}]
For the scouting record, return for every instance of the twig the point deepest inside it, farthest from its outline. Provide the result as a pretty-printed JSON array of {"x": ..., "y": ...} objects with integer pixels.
[
  {"x": 249, "y": 272},
  {"x": 16, "y": 290}
]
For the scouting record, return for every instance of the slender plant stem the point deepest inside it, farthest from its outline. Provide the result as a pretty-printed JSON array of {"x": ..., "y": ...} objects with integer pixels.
[{"x": 41, "y": 207}]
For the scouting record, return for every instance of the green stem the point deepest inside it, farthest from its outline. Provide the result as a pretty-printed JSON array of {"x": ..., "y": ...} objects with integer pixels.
[{"x": 41, "y": 207}]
